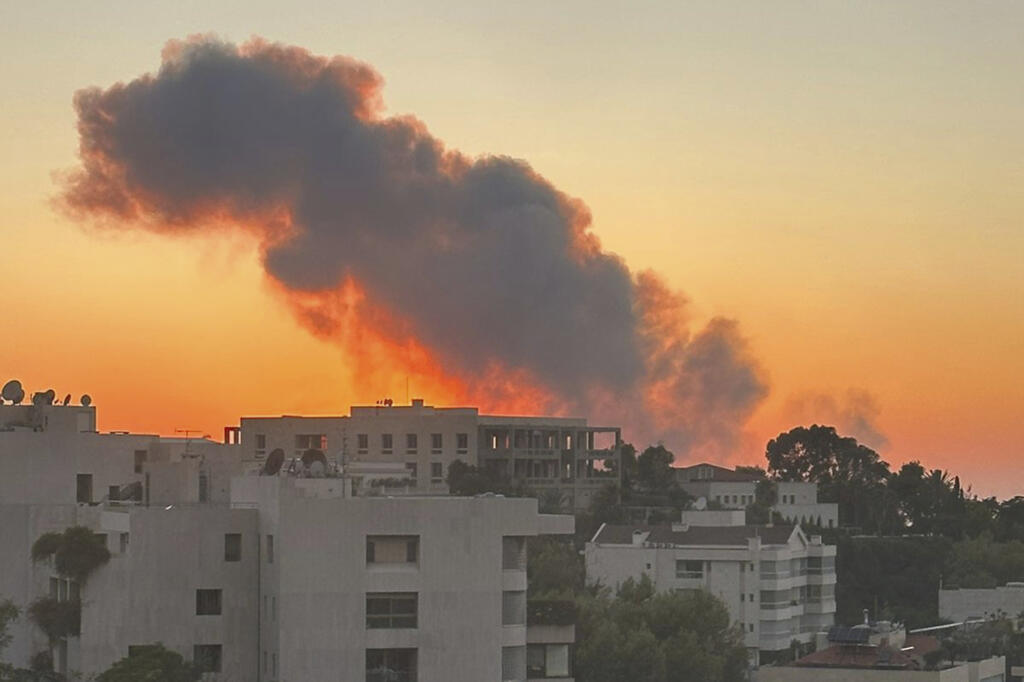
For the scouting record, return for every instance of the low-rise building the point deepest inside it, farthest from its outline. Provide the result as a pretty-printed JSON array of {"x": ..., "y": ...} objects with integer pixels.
[
  {"x": 797, "y": 501},
  {"x": 959, "y": 605},
  {"x": 563, "y": 460},
  {"x": 881, "y": 652},
  {"x": 778, "y": 584}
]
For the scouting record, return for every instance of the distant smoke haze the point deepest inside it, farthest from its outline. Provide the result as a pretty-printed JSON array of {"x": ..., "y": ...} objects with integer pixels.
[
  {"x": 854, "y": 413},
  {"x": 475, "y": 276}
]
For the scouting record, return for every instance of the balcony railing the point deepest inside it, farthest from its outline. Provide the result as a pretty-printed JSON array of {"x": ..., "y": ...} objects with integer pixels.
[{"x": 550, "y": 612}]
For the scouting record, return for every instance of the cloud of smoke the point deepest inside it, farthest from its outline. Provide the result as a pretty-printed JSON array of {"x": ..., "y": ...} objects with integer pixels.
[
  {"x": 855, "y": 413},
  {"x": 369, "y": 226}
]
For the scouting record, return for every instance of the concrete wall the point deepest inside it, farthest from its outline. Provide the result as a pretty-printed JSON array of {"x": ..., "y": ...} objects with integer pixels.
[
  {"x": 962, "y": 604},
  {"x": 148, "y": 594},
  {"x": 990, "y": 669}
]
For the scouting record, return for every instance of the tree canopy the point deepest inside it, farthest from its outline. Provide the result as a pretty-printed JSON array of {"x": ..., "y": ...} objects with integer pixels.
[{"x": 151, "y": 663}]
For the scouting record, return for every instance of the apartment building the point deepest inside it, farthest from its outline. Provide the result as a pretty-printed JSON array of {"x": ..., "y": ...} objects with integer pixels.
[
  {"x": 561, "y": 459},
  {"x": 731, "y": 489},
  {"x": 778, "y": 584},
  {"x": 273, "y": 577}
]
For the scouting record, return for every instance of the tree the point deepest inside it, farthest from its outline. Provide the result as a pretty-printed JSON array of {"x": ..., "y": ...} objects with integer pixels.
[
  {"x": 8, "y": 614},
  {"x": 553, "y": 567},
  {"x": 851, "y": 474},
  {"x": 654, "y": 469},
  {"x": 644, "y": 636},
  {"x": 152, "y": 663},
  {"x": 466, "y": 480}
]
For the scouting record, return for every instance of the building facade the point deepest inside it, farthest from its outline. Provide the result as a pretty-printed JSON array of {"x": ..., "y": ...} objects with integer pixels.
[
  {"x": 730, "y": 489},
  {"x": 563, "y": 460},
  {"x": 267, "y": 577},
  {"x": 960, "y": 605},
  {"x": 778, "y": 584}
]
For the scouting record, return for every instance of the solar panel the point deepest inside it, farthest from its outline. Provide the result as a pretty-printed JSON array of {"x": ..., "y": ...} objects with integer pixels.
[{"x": 841, "y": 634}]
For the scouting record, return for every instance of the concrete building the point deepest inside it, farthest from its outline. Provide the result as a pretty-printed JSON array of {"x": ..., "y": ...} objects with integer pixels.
[
  {"x": 266, "y": 577},
  {"x": 880, "y": 652},
  {"x": 959, "y": 605},
  {"x": 778, "y": 584},
  {"x": 731, "y": 489},
  {"x": 563, "y": 460}
]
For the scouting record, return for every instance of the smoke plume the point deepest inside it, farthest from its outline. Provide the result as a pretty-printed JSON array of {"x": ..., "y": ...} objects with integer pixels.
[
  {"x": 855, "y": 413},
  {"x": 476, "y": 275}
]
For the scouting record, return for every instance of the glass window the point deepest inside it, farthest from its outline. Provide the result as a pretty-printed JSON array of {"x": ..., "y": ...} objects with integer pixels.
[
  {"x": 208, "y": 602},
  {"x": 140, "y": 460},
  {"x": 390, "y": 665},
  {"x": 513, "y": 607},
  {"x": 386, "y": 443},
  {"x": 412, "y": 467},
  {"x": 689, "y": 569},
  {"x": 462, "y": 442},
  {"x": 363, "y": 442},
  {"x": 261, "y": 441},
  {"x": 436, "y": 443},
  {"x": 410, "y": 442},
  {"x": 436, "y": 472},
  {"x": 232, "y": 547},
  {"x": 391, "y": 610},
  {"x": 392, "y": 549},
  {"x": 513, "y": 553}
]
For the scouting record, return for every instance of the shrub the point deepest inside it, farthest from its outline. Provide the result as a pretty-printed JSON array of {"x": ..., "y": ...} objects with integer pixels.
[{"x": 57, "y": 619}]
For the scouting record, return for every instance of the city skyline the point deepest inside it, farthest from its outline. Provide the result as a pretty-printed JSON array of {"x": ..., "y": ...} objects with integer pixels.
[{"x": 893, "y": 182}]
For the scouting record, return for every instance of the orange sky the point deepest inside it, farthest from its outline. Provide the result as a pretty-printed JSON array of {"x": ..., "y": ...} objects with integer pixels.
[{"x": 844, "y": 183}]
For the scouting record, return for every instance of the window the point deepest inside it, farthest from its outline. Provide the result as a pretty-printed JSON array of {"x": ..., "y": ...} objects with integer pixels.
[
  {"x": 206, "y": 657},
  {"x": 462, "y": 443},
  {"x": 363, "y": 443},
  {"x": 124, "y": 542},
  {"x": 311, "y": 441},
  {"x": 391, "y": 610},
  {"x": 386, "y": 443},
  {"x": 83, "y": 493},
  {"x": 204, "y": 486},
  {"x": 547, "y": 660},
  {"x": 751, "y": 626},
  {"x": 140, "y": 460},
  {"x": 270, "y": 549},
  {"x": 411, "y": 466},
  {"x": 689, "y": 569},
  {"x": 261, "y": 441},
  {"x": 513, "y": 553},
  {"x": 436, "y": 443},
  {"x": 436, "y": 472},
  {"x": 513, "y": 663},
  {"x": 232, "y": 547},
  {"x": 392, "y": 549},
  {"x": 743, "y": 597},
  {"x": 113, "y": 492},
  {"x": 513, "y": 607},
  {"x": 390, "y": 665},
  {"x": 208, "y": 602},
  {"x": 410, "y": 443}
]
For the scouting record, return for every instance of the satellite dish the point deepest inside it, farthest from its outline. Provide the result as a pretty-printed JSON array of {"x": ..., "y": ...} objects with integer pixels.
[
  {"x": 50, "y": 395},
  {"x": 701, "y": 504},
  {"x": 313, "y": 455},
  {"x": 67, "y": 399},
  {"x": 274, "y": 462},
  {"x": 317, "y": 469},
  {"x": 86, "y": 400},
  {"x": 39, "y": 399},
  {"x": 13, "y": 391}
]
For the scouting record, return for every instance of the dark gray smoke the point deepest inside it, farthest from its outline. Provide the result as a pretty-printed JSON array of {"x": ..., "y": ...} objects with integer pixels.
[{"x": 488, "y": 263}]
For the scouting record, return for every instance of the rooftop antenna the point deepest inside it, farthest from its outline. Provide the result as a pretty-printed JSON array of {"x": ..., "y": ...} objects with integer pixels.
[
  {"x": 188, "y": 440},
  {"x": 407, "y": 389},
  {"x": 13, "y": 391}
]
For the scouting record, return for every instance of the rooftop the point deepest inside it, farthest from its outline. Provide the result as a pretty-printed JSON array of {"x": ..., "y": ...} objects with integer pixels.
[{"x": 695, "y": 535}]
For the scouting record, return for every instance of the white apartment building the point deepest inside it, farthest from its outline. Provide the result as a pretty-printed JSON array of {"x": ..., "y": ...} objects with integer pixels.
[
  {"x": 959, "y": 605},
  {"x": 777, "y": 583},
  {"x": 730, "y": 489},
  {"x": 562, "y": 458},
  {"x": 267, "y": 578}
]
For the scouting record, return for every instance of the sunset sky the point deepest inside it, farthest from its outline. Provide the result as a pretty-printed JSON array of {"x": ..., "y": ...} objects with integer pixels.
[{"x": 846, "y": 180}]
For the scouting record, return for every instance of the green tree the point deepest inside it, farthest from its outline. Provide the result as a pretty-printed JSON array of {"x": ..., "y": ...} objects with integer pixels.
[
  {"x": 848, "y": 473},
  {"x": 654, "y": 469},
  {"x": 152, "y": 664},
  {"x": 644, "y": 636},
  {"x": 553, "y": 567}
]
